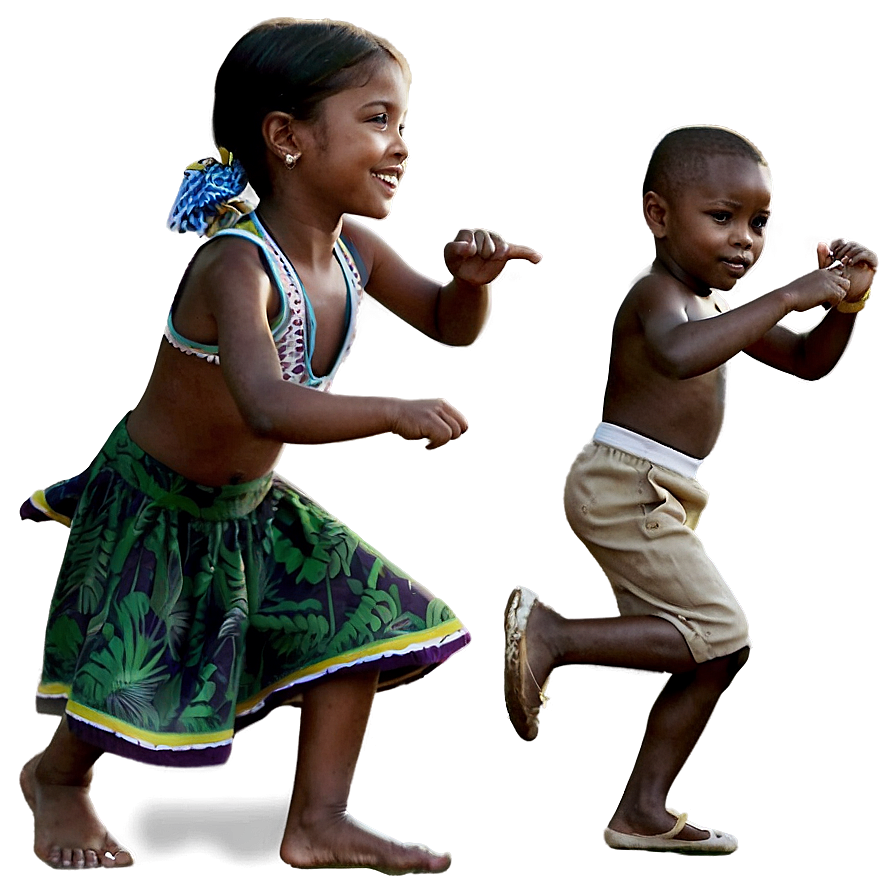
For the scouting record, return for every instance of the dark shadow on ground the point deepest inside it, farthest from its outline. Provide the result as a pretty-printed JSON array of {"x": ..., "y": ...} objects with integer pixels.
[{"x": 238, "y": 828}]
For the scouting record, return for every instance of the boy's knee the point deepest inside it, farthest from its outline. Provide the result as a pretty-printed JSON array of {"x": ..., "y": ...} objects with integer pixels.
[
  {"x": 736, "y": 661},
  {"x": 717, "y": 674}
]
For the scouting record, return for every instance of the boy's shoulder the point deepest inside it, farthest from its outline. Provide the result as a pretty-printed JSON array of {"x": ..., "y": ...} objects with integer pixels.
[{"x": 656, "y": 290}]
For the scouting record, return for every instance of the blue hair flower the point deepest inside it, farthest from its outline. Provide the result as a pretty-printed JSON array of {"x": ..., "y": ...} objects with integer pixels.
[{"x": 212, "y": 196}]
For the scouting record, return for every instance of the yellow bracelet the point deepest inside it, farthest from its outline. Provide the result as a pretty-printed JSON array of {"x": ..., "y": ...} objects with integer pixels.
[{"x": 853, "y": 307}]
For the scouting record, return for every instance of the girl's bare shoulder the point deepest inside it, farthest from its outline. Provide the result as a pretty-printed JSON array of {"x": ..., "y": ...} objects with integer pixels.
[{"x": 223, "y": 269}]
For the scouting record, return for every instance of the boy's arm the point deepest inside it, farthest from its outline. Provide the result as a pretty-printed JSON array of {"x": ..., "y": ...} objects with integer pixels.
[
  {"x": 455, "y": 313},
  {"x": 814, "y": 354},
  {"x": 684, "y": 347}
]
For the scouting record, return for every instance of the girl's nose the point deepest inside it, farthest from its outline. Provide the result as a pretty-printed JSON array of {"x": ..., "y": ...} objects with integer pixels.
[{"x": 400, "y": 149}]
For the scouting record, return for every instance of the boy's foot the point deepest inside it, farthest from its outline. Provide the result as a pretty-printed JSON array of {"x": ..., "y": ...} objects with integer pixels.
[
  {"x": 523, "y": 685},
  {"x": 67, "y": 831},
  {"x": 677, "y": 840},
  {"x": 342, "y": 842}
]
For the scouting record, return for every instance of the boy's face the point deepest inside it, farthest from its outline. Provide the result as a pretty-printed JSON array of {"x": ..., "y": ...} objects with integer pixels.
[{"x": 715, "y": 228}]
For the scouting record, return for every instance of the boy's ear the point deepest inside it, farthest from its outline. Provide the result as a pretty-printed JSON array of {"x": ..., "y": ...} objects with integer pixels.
[
  {"x": 656, "y": 213},
  {"x": 281, "y": 134}
]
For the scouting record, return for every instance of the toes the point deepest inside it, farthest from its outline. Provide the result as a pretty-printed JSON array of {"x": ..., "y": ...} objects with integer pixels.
[
  {"x": 116, "y": 857},
  {"x": 439, "y": 862},
  {"x": 426, "y": 861}
]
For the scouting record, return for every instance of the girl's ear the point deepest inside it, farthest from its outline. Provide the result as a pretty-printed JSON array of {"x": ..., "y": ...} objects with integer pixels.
[
  {"x": 656, "y": 212},
  {"x": 281, "y": 137}
]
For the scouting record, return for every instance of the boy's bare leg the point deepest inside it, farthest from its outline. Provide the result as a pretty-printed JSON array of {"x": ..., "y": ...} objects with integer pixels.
[
  {"x": 67, "y": 831},
  {"x": 675, "y": 724},
  {"x": 319, "y": 832},
  {"x": 678, "y": 717}
]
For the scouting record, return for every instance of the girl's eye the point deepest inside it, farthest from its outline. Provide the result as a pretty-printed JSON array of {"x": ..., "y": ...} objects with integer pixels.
[
  {"x": 760, "y": 222},
  {"x": 382, "y": 121},
  {"x": 721, "y": 217}
]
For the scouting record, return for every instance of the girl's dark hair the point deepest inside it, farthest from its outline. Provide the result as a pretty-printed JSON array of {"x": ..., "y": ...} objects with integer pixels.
[{"x": 288, "y": 65}]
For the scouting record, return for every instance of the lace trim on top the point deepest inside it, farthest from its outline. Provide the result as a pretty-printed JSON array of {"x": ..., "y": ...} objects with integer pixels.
[{"x": 294, "y": 328}]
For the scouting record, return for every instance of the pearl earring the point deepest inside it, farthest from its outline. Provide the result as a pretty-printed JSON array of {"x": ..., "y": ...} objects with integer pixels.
[{"x": 290, "y": 160}]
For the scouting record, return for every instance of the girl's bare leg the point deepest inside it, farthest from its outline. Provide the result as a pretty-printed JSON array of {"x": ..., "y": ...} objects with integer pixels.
[
  {"x": 67, "y": 831},
  {"x": 319, "y": 832},
  {"x": 678, "y": 717}
]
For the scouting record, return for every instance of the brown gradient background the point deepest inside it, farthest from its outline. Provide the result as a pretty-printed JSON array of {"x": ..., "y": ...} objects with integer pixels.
[{"x": 537, "y": 122}]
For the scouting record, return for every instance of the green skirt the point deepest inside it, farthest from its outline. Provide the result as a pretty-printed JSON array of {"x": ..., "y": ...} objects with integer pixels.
[{"x": 183, "y": 612}]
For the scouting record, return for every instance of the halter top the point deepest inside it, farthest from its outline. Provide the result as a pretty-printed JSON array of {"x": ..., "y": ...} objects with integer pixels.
[{"x": 294, "y": 327}]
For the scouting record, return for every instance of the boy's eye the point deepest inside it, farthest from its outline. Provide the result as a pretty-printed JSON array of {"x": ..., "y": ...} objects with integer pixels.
[
  {"x": 721, "y": 217},
  {"x": 760, "y": 222}
]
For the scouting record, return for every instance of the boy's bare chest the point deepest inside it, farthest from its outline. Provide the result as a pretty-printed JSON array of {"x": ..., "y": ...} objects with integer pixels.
[{"x": 701, "y": 308}]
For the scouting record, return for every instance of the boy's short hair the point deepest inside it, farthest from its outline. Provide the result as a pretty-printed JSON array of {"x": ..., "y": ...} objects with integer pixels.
[{"x": 680, "y": 157}]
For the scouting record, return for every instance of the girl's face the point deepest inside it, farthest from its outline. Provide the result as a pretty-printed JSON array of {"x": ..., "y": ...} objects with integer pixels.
[{"x": 353, "y": 152}]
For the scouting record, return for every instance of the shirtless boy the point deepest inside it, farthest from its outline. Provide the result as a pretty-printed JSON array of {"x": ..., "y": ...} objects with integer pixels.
[{"x": 631, "y": 495}]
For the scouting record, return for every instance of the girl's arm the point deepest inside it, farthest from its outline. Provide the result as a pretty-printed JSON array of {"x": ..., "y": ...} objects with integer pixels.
[
  {"x": 814, "y": 354},
  {"x": 455, "y": 313},
  {"x": 233, "y": 285}
]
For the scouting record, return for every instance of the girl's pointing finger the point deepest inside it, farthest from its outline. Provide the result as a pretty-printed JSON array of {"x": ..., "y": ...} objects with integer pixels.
[{"x": 523, "y": 252}]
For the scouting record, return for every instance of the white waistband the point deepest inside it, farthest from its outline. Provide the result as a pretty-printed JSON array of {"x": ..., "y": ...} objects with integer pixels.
[{"x": 657, "y": 453}]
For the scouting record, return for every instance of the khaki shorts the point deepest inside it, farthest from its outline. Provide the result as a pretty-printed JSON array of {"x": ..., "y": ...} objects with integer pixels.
[{"x": 637, "y": 520}]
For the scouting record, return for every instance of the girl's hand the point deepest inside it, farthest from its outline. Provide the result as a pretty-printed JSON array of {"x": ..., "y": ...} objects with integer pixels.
[
  {"x": 859, "y": 265},
  {"x": 430, "y": 418},
  {"x": 478, "y": 256}
]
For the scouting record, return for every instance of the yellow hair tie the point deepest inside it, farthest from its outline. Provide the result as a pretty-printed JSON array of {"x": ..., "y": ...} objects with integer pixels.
[
  {"x": 202, "y": 164},
  {"x": 853, "y": 307}
]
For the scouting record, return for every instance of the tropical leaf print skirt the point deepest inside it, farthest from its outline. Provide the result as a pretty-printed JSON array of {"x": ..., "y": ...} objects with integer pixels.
[{"x": 183, "y": 613}]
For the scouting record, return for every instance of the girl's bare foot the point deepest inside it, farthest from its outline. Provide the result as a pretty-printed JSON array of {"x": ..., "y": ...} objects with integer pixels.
[
  {"x": 67, "y": 831},
  {"x": 341, "y": 842}
]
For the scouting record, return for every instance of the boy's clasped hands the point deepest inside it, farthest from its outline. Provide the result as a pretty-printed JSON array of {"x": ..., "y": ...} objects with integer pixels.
[{"x": 844, "y": 275}]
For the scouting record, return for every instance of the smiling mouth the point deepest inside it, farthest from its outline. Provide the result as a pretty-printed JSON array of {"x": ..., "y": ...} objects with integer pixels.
[{"x": 390, "y": 180}]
